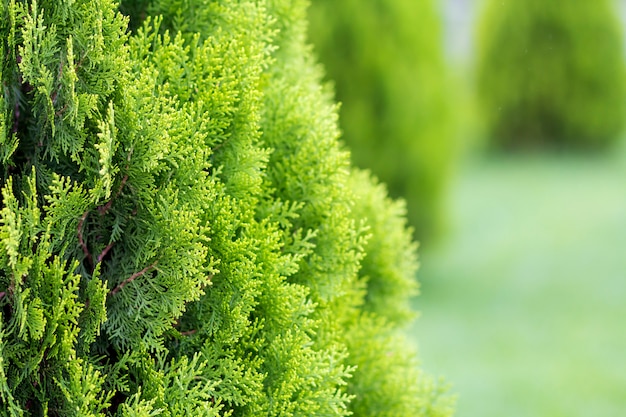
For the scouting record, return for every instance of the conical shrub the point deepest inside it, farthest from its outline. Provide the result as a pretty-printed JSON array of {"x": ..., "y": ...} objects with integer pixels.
[
  {"x": 178, "y": 228},
  {"x": 385, "y": 60},
  {"x": 551, "y": 74}
]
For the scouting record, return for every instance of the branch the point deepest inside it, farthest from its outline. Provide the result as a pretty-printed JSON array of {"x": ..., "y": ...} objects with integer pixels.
[
  {"x": 132, "y": 278},
  {"x": 105, "y": 208},
  {"x": 82, "y": 241},
  {"x": 16, "y": 117},
  {"x": 187, "y": 332},
  {"x": 104, "y": 252},
  {"x": 61, "y": 110}
]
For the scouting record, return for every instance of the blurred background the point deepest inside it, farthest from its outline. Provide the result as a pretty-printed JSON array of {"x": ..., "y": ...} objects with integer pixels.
[{"x": 501, "y": 122}]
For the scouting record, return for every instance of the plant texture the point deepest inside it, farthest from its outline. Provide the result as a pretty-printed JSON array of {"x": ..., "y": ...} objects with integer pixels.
[
  {"x": 551, "y": 73},
  {"x": 180, "y": 231},
  {"x": 385, "y": 60}
]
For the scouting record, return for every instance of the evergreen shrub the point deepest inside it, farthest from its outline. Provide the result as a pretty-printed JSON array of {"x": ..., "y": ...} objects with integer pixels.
[
  {"x": 551, "y": 73},
  {"x": 385, "y": 60},
  {"x": 181, "y": 233}
]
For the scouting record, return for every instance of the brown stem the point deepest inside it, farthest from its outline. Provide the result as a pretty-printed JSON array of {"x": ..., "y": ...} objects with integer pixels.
[
  {"x": 80, "y": 63},
  {"x": 188, "y": 332},
  {"x": 16, "y": 117},
  {"x": 132, "y": 278},
  {"x": 104, "y": 252},
  {"x": 61, "y": 110},
  {"x": 60, "y": 70},
  {"x": 82, "y": 241},
  {"x": 105, "y": 208}
]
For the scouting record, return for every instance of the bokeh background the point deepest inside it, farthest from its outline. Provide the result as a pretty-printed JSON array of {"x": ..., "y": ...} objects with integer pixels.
[{"x": 523, "y": 248}]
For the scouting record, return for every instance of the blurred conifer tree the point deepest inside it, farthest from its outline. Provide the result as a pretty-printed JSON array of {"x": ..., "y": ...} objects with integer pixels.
[
  {"x": 551, "y": 73},
  {"x": 385, "y": 59}
]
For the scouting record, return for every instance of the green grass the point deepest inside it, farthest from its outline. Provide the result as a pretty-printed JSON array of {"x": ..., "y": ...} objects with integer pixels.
[{"x": 524, "y": 302}]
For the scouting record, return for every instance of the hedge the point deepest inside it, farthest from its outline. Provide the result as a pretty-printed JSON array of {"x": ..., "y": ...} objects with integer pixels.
[{"x": 181, "y": 233}]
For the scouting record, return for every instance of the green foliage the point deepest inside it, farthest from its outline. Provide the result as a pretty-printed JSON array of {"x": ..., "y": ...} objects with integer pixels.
[
  {"x": 180, "y": 232},
  {"x": 390, "y": 262},
  {"x": 551, "y": 73},
  {"x": 385, "y": 60}
]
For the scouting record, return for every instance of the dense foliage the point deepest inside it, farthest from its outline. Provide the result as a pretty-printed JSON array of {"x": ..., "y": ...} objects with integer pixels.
[
  {"x": 180, "y": 231},
  {"x": 551, "y": 73},
  {"x": 385, "y": 60}
]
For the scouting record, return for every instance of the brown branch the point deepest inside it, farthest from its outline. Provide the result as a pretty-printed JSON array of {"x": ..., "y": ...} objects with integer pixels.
[
  {"x": 80, "y": 62},
  {"x": 132, "y": 278},
  {"x": 61, "y": 110},
  {"x": 105, "y": 208},
  {"x": 187, "y": 332},
  {"x": 16, "y": 117},
  {"x": 60, "y": 70},
  {"x": 82, "y": 241},
  {"x": 104, "y": 252}
]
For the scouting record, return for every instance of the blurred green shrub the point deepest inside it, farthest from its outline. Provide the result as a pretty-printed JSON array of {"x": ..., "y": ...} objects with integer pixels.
[
  {"x": 385, "y": 57},
  {"x": 551, "y": 73}
]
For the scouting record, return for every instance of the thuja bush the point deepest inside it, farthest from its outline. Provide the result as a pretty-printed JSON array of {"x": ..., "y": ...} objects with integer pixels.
[
  {"x": 181, "y": 233},
  {"x": 551, "y": 74},
  {"x": 385, "y": 60}
]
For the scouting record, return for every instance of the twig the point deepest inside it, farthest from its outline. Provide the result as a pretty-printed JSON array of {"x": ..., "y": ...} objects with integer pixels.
[
  {"x": 61, "y": 110},
  {"x": 105, "y": 208},
  {"x": 185, "y": 333},
  {"x": 104, "y": 252},
  {"x": 82, "y": 241},
  {"x": 132, "y": 278},
  {"x": 16, "y": 117}
]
